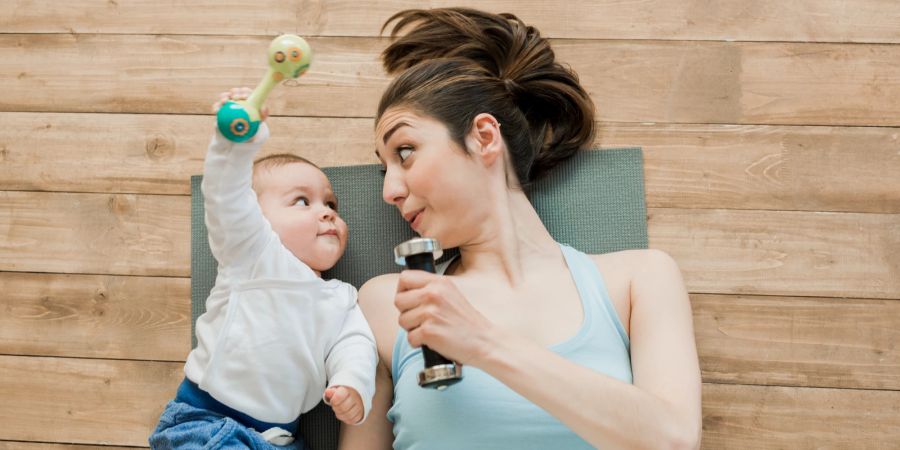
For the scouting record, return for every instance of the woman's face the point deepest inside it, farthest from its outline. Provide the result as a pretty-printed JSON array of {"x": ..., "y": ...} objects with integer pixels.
[{"x": 434, "y": 184}]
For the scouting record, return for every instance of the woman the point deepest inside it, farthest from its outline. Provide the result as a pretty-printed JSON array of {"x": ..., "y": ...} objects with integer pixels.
[{"x": 560, "y": 349}]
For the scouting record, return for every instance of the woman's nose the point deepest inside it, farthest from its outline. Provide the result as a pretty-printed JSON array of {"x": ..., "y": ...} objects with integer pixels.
[{"x": 394, "y": 189}]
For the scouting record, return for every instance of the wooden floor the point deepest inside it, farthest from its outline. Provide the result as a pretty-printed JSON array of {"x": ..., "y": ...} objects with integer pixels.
[{"x": 771, "y": 132}]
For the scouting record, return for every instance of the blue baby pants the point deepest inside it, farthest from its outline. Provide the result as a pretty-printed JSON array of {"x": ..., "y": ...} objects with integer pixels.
[{"x": 183, "y": 426}]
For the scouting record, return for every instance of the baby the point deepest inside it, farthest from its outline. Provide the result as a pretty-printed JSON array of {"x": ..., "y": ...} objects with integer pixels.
[{"x": 274, "y": 334}]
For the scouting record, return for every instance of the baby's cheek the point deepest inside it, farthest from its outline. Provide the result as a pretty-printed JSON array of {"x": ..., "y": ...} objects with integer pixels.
[{"x": 299, "y": 234}]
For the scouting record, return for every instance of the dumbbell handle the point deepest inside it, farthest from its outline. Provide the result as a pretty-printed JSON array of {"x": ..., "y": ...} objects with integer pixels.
[
  {"x": 419, "y": 254},
  {"x": 425, "y": 261}
]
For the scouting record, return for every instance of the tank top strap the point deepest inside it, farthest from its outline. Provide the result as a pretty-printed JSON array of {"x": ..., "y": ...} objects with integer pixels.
[
  {"x": 595, "y": 300},
  {"x": 594, "y": 295}
]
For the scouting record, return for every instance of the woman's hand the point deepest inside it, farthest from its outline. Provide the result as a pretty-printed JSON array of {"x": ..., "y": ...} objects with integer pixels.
[
  {"x": 238, "y": 94},
  {"x": 435, "y": 313}
]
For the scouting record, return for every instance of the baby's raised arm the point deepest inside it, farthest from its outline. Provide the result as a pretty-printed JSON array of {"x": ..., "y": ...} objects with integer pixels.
[{"x": 237, "y": 228}]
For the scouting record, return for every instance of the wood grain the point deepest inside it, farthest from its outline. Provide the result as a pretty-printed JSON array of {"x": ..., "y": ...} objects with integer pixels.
[
  {"x": 150, "y": 153},
  {"x": 787, "y": 341},
  {"x": 720, "y": 251},
  {"x": 20, "y": 445},
  {"x": 83, "y": 401},
  {"x": 798, "y": 341},
  {"x": 757, "y": 417},
  {"x": 89, "y": 401},
  {"x": 782, "y": 252},
  {"x": 772, "y": 171},
  {"x": 93, "y": 316},
  {"x": 119, "y": 234},
  {"x": 851, "y": 169},
  {"x": 761, "y": 20},
  {"x": 630, "y": 81}
]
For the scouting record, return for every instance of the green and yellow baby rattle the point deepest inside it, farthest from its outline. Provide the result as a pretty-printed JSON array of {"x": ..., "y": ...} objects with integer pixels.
[{"x": 289, "y": 57}]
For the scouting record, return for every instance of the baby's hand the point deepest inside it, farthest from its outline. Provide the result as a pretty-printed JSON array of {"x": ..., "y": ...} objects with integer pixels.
[
  {"x": 346, "y": 403},
  {"x": 237, "y": 94}
]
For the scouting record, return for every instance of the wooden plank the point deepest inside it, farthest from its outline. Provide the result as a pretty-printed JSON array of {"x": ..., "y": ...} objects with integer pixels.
[
  {"x": 851, "y": 169},
  {"x": 83, "y": 401},
  {"x": 782, "y": 252},
  {"x": 631, "y": 81},
  {"x": 119, "y": 234},
  {"x": 720, "y": 251},
  {"x": 149, "y": 153},
  {"x": 798, "y": 341},
  {"x": 20, "y": 445},
  {"x": 757, "y": 417},
  {"x": 762, "y": 20},
  {"x": 93, "y": 316},
  {"x": 118, "y": 403}
]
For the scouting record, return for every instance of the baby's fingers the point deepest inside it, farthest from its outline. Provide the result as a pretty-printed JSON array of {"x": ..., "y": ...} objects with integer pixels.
[
  {"x": 339, "y": 395},
  {"x": 241, "y": 93},
  {"x": 233, "y": 94}
]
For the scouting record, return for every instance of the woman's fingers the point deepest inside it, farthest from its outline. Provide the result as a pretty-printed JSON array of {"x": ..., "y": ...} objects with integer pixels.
[
  {"x": 414, "y": 279},
  {"x": 415, "y": 317}
]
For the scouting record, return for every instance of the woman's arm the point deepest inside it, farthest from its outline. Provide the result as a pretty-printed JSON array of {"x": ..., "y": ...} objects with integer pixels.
[
  {"x": 660, "y": 410},
  {"x": 375, "y": 433},
  {"x": 376, "y": 301}
]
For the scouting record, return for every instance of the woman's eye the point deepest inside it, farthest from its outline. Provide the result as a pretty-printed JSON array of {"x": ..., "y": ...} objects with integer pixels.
[
  {"x": 404, "y": 153},
  {"x": 301, "y": 201}
]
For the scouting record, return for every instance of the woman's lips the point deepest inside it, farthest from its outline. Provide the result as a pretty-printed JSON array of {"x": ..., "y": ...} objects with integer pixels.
[{"x": 417, "y": 220}]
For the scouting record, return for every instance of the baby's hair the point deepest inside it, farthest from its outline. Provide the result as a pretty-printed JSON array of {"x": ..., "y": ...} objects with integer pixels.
[
  {"x": 457, "y": 63},
  {"x": 280, "y": 159},
  {"x": 277, "y": 160}
]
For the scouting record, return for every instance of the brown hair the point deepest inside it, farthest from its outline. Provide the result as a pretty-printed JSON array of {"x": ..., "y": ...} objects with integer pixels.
[{"x": 457, "y": 63}]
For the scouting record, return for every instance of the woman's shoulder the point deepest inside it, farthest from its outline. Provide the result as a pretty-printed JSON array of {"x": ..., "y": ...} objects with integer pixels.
[
  {"x": 376, "y": 296},
  {"x": 633, "y": 271},
  {"x": 636, "y": 261},
  {"x": 636, "y": 265},
  {"x": 376, "y": 299},
  {"x": 624, "y": 271}
]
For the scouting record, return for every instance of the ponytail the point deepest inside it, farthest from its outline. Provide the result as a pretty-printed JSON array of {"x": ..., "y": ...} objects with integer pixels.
[{"x": 455, "y": 63}]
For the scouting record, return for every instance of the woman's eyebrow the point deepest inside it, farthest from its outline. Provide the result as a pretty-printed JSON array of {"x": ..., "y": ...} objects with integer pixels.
[{"x": 392, "y": 130}]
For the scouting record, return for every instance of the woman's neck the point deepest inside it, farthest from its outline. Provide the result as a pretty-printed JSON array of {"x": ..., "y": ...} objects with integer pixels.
[{"x": 513, "y": 238}]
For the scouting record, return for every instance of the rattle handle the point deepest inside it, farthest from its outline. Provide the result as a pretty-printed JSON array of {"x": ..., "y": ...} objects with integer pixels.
[{"x": 258, "y": 97}]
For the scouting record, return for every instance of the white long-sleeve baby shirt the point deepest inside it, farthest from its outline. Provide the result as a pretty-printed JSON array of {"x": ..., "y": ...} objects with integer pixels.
[{"x": 273, "y": 333}]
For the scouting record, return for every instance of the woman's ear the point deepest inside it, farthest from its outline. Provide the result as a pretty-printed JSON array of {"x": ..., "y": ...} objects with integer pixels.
[{"x": 487, "y": 140}]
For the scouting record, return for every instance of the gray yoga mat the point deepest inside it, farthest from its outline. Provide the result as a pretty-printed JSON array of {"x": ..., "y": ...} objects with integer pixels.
[{"x": 594, "y": 202}]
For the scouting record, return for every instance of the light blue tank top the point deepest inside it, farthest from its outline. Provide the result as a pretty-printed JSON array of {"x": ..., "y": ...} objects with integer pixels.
[{"x": 480, "y": 412}]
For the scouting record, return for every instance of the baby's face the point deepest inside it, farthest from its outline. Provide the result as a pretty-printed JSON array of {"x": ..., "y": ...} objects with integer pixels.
[{"x": 297, "y": 200}]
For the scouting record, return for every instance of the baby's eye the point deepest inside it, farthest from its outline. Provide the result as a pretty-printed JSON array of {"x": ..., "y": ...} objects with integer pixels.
[
  {"x": 303, "y": 201},
  {"x": 404, "y": 152},
  {"x": 332, "y": 205}
]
